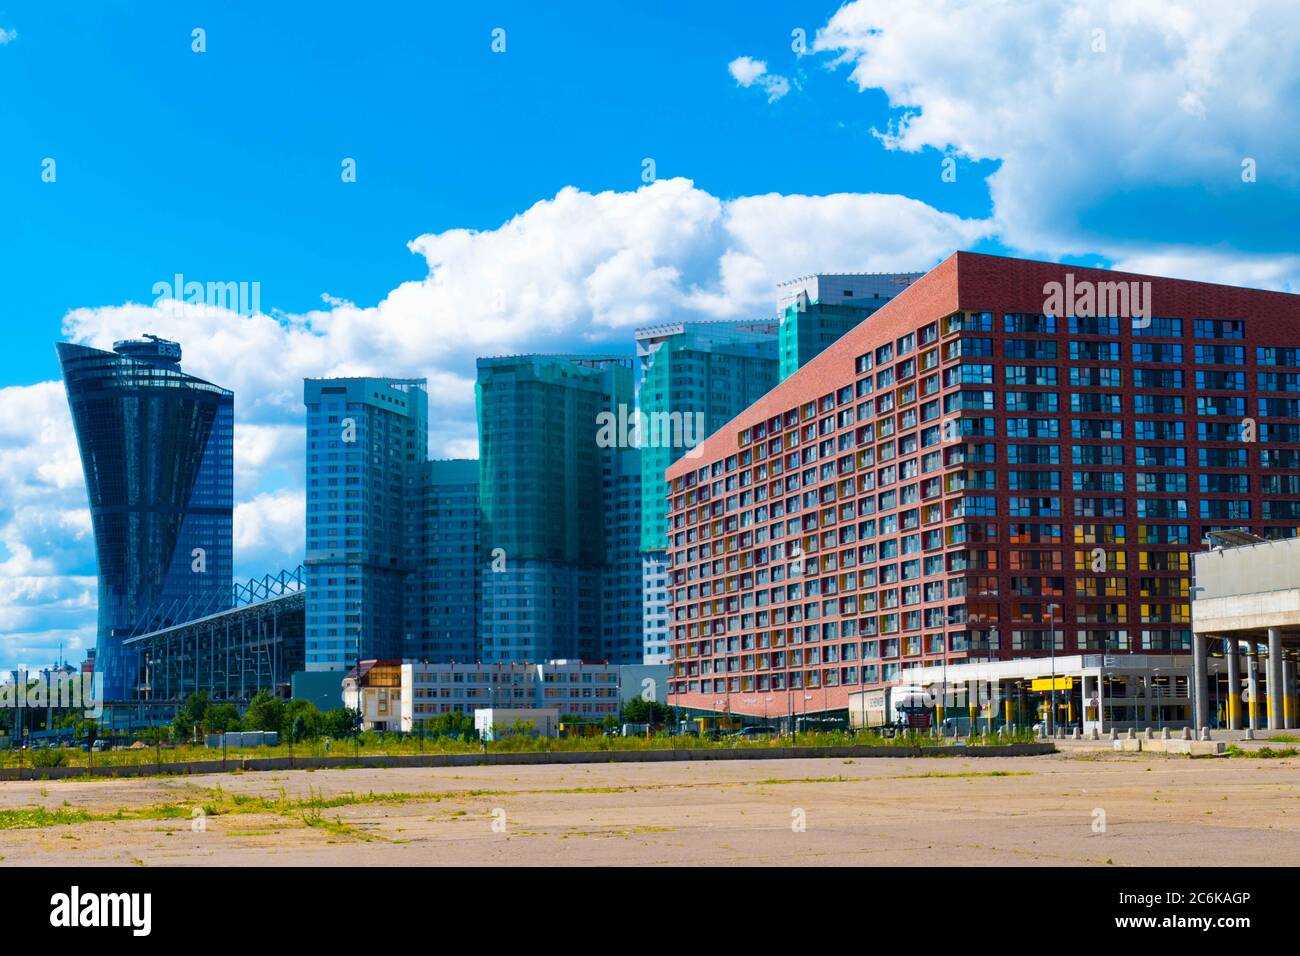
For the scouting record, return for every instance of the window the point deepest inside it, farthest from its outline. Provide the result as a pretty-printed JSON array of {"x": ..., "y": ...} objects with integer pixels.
[
  {"x": 1219, "y": 329},
  {"x": 1161, "y": 328},
  {"x": 1029, "y": 323}
]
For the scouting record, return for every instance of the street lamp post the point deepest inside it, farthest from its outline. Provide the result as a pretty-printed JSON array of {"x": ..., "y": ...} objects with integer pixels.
[
  {"x": 1051, "y": 717},
  {"x": 1155, "y": 696},
  {"x": 943, "y": 693}
]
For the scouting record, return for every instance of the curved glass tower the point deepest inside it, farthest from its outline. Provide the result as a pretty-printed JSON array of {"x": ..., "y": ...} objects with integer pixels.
[{"x": 157, "y": 451}]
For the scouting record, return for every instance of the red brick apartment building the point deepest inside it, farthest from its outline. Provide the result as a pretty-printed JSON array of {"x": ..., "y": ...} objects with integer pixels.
[{"x": 962, "y": 469}]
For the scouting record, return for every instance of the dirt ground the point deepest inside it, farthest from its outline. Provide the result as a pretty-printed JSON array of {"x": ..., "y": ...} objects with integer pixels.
[{"x": 1063, "y": 809}]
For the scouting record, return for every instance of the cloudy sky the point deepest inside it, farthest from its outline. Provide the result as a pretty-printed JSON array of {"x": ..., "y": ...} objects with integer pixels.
[{"x": 606, "y": 169}]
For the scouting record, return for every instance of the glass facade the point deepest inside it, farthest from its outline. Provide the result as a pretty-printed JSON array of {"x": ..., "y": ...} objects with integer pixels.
[
  {"x": 157, "y": 450},
  {"x": 444, "y": 590},
  {"x": 621, "y": 588},
  {"x": 815, "y": 311},
  {"x": 807, "y": 329},
  {"x": 367, "y": 442},
  {"x": 544, "y": 490},
  {"x": 698, "y": 374}
]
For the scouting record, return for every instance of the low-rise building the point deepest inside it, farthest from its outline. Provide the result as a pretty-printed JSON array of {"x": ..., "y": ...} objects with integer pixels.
[
  {"x": 1247, "y": 604},
  {"x": 496, "y": 723},
  {"x": 399, "y": 695}
]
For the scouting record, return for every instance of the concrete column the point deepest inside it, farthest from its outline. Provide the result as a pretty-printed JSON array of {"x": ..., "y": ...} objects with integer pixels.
[
  {"x": 1252, "y": 686},
  {"x": 1289, "y": 702},
  {"x": 1275, "y": 680},
  {"x": 1200, "y": 692},
  {"x": 1233, "y": 653}
]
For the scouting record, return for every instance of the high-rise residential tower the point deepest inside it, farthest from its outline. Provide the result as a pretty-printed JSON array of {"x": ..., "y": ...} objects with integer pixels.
[
  {"x": 816, "y": 310},
  {"x": 543, "y": 480},
  {"x": 621, "y": 607},
  {"x": 157, "y": 449},
  {"x": 444, "y": 590},
  {"x": 367, "y": 446},
  {"x": 1010, "y": 459},
  {"x": 693, "y": 378}
]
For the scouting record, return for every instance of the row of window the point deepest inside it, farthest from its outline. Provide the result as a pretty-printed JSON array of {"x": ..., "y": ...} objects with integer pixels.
[{"x": 1030, "y": 323}]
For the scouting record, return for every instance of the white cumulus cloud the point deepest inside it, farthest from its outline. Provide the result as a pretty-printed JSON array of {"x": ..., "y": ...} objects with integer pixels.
[
  {"x": 1119, "y": 126},
  {"x": 272, "y": 524},
  {"x": 747, "y": 71}
]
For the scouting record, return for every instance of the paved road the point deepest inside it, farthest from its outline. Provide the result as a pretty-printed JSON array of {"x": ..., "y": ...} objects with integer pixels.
[{"x": 1065, "y": 809}]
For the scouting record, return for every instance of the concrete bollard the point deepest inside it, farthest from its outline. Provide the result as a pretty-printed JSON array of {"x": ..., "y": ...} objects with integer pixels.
[
  {"x": 1132, "y": 734},
  {"x": 1164, "y": 734},
  {"x": 1250, "y": 733},
  {"x": 1187, "y": 733},
  {"x": 1078, "y": 734},
  {"x": 1150, "y": 734},
  {"x": 1205, "y": 733},
  {"x": 1114, "y": 734},
  {"x": 1093, "y": 734}
]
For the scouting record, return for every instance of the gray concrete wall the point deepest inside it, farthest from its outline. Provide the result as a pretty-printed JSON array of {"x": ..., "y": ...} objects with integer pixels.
[
  {"x": 519, "y": 759},
  {"x": 1251, "y": 569}
]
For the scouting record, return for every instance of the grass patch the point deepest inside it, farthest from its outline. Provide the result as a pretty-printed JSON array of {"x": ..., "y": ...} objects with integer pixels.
[
  {"x": 337, "y": 827},
  {"x": 989, "y": 773},
  {"x": 144, "y": 761},
  {"x": 32, "y": 818},
  {"x": 1263, "y": 753}
]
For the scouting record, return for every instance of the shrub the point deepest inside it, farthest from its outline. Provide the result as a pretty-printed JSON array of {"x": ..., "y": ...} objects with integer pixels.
[{"x": 49, "y": 758}]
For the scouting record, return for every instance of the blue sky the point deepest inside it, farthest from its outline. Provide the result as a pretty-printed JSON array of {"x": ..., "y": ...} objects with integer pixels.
[
  {"x": 227, "y": 163},
  {"x": 500, "y": 204}
]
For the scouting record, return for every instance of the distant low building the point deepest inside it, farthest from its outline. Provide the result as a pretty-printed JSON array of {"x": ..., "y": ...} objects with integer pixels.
[
  {"x": 322, "y": 688},
  {"x": 398, "y": 696},
  {"x": 497, "y": 723}
]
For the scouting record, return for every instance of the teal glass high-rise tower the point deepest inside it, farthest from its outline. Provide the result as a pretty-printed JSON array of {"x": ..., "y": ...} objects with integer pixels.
[
  {"x": 544, "y": 485},
  {"x": 816, "y": 310},
  {"x": 693, "y": 379}
]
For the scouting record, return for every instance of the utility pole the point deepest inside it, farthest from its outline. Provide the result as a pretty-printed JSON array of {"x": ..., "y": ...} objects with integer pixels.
[{"x": 1051, "y": 719}]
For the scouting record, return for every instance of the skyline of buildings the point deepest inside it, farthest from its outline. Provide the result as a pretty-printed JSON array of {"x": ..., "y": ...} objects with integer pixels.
[{"x": 953, "y": 430}]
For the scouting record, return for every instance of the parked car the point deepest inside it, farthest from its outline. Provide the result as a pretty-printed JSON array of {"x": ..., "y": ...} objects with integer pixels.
[
  {"x": 99, "y": 745},
  {"x": 749, "y": 733}
]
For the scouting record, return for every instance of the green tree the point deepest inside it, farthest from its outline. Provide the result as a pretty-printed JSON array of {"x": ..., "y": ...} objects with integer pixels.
[
  {"x": 302, "y": 720},
  {"x": 451, "y": 724},
  {"x": 88, "y": 728},
  {"x": 155, "y": 735},
  {"x": 638, "y": 711},
  {"x": 192, "y": 713},
  {"x": 340, "y": 722},
  {"x": 265, "y": 712},
  {"x": 221, "y": 719}
]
